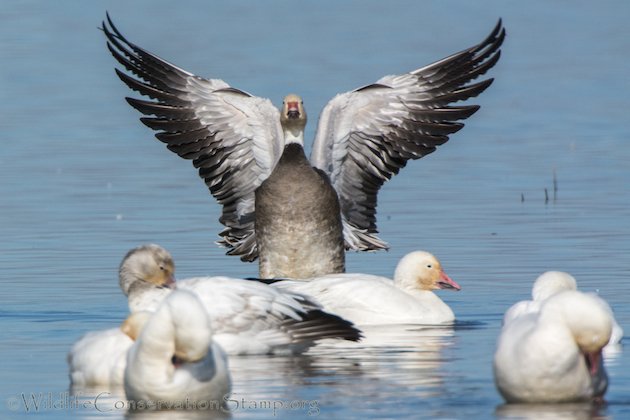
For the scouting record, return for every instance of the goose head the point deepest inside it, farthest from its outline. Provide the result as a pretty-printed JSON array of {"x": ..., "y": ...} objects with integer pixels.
[
  {"x": 191, "y": 322},
  {"x": 551, "y": 283},
  {"x": 172, "y": 358},
  {"x": 293, "y": 119},
  {"x": 421, "y": 270},
  {"x": 588, "y": 318},
  {"x": 149, "y": 264}
]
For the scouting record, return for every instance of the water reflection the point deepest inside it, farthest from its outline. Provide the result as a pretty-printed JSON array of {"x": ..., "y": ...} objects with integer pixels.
[
  {"x": 393, "y": 355},
  {"x": 574, "y": 411},
  {"x": 396, "y": 361},
  {"x": 177, "y": 415},
  {"x": 98, "y": 402},
  {"x": 111, "y": 402}
]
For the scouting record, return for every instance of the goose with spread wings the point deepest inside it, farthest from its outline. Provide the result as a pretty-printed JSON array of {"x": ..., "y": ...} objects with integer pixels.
[{"x": 298, "y": 216}]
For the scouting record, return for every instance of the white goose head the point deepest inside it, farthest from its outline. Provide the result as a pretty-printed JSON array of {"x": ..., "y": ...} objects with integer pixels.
[
  {"x": 420, "y": 270},
  {"x": 148, "y": 264},
  {"x": 587, "y": 317},
  {"x": 293, "y": 119},
  {"x": 174, "y": 357},
  {"x": 190, "y": 323}
]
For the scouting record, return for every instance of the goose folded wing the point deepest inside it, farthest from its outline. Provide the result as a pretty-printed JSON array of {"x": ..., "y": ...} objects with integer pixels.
[
  {"x": 237, "y": 306},
  {"x": 234, "y": 139},
  {"x": 366, "y": 136}
]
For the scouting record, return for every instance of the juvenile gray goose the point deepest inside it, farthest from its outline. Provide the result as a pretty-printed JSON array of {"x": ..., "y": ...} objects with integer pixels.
[{"x": 298, "y": 215}]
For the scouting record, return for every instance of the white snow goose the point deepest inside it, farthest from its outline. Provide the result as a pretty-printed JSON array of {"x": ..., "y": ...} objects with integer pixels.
[
  {"x": 291, "y": 212},
  {"x": 247, "y": 317},
  {"x": 366, "y": 299},
  {"x": 98, "y": 358},
  {"x": 554, "y": 354},
  {"x": 174, "y": 362},
  {"x": 549, "y": 284}
]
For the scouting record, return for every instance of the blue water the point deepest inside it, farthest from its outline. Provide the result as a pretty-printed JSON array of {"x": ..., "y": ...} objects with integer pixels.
[{"x": 83, "y": 181}]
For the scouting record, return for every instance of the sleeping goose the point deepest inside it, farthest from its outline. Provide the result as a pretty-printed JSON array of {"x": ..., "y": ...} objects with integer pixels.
[
  {"x": 174, "y": 362},
  {"x": 247, "y": 317},
  {"x": 546, "y": 285},
  {"x": 298, "y": 215},
  {"x": 554, "y": 354},
  {"x": 366, "y": 299}
]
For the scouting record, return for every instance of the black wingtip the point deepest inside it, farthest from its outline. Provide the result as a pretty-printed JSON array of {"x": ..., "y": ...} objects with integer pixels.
[
  {"x": 111, "y": 23},
  {"x": 103, "y": 26},
  {"x": 344, "y": 329},
  {"x": 113, "y": 34},
  {"x": 265, "y": 281},
  {"x": 317, "y": 324},
  {"x": 498, "y": 30},
  {"x": 494, "y": 40}
]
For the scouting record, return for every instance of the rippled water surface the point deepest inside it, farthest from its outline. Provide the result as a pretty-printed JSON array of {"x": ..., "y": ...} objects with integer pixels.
[{"x": 83, "y": 181}]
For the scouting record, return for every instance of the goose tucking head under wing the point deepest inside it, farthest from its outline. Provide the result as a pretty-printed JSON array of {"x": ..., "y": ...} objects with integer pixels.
[{"x": 364, "y": 137}]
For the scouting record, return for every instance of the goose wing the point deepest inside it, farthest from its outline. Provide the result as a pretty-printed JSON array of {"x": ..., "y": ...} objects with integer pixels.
[
  {"x": 236, "y": 305},
  {"x": 366, "y": 136},
  {"x": 233, "y": 138},
  {"x": 278, "y": 317}
]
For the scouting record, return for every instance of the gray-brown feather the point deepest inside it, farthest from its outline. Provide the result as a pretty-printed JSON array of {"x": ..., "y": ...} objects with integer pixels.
[{"x": 297, "y": 218}]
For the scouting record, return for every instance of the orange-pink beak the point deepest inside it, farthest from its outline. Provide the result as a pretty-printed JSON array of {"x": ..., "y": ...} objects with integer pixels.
[
  {"x": 293, "y": 109},
  {"x": 170, "y": 282},
  {"x": 446, "y": 282},
  {"x": 593, "y": 361}
]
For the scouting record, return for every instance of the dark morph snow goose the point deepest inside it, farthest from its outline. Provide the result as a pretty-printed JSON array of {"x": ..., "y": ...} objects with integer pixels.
[{"x": 292, "y": 213}]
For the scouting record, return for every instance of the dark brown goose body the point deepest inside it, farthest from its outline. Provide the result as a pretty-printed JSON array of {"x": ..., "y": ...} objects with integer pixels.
[{"x": 298, "y": 222}]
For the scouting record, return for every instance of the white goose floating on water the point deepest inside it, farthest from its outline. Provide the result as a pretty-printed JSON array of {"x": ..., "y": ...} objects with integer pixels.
[
  {"x": 549, "y": 284},
  {"x": 98, "y": 359},
  {"x": 554, "y": 354},
  {"x": 291, "y": 213},
  {"x": 366, "y": 299},
  {"x": 174, "y": 362},
  {"x": 247, "y": 317}
]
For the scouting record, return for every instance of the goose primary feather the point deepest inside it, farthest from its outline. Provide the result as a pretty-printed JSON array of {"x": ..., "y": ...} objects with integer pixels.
[{"x": 299, "y": 215}]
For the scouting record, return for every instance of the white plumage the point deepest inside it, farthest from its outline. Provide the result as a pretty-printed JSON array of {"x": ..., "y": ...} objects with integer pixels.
[
  {"x": 98, "y": 359},
  {"x": 175, "y": 361},
  {"x": 554, "y": 354},
  {"x": 549, "y": 284},
  {"x": 366, "y": 299}
]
